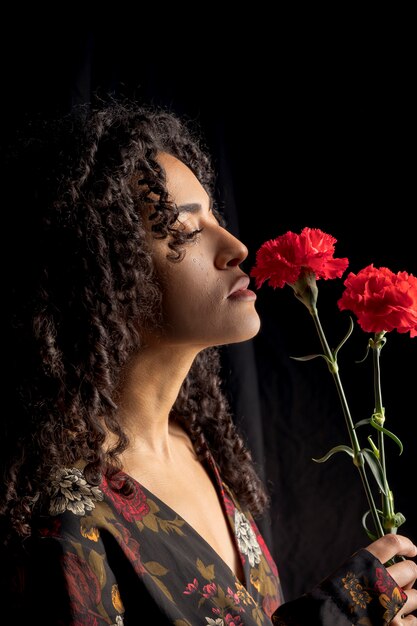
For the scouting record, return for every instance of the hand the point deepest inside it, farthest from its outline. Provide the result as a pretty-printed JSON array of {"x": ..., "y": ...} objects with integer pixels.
[{"x": 404, "y": 572}]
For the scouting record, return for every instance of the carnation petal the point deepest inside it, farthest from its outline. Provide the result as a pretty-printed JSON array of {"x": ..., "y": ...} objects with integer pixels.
[
  {"x": 382, "y": 300},
  {"x": 281, "y": 261}
]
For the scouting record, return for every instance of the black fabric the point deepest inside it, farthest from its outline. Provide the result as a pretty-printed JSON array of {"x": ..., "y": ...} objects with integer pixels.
[
  {"x": 97, "y": 557},
  {"x": 360, "y": 591}
]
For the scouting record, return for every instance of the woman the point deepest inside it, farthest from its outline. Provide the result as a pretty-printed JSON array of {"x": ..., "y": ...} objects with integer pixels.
[{"x": 129, "y": 496}]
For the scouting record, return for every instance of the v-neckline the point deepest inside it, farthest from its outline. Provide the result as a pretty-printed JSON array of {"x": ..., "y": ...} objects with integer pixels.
[{"x": 219, "y": 490}]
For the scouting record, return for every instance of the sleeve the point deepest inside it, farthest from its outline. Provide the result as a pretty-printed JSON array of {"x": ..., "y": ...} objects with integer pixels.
[
  {"x": 58, "y": 583},
  {"x": 360, "y": 591}
]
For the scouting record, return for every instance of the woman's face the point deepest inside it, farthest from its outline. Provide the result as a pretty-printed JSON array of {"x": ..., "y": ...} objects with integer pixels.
[{"x": 205, "y": 297}]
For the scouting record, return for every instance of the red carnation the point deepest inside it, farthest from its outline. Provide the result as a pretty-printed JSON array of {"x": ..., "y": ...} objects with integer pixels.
[
  {"x": 382, "y": 300},
  {"x": 284, "y": 259}
]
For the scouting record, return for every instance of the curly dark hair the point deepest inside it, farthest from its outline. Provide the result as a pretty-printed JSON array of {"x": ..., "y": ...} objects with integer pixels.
[{"x": 86, "y": 288}]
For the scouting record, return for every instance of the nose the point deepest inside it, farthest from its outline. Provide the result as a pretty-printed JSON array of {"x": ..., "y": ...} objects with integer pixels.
[{"x": 231, "y": 252}]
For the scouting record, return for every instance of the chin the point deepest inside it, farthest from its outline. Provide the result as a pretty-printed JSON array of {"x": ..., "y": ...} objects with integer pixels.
[{"x": 248, "y": 329}]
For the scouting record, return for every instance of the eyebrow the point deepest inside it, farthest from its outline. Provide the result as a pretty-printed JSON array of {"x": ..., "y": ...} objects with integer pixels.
[{"x": 193, "y": 207}]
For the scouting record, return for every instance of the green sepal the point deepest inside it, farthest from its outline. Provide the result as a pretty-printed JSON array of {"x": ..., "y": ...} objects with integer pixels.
[
  {"x": 374, "y": 448},
  {"x": 388, "y": 433},
  {"x": 376, "y": 468},
  {"x": 341, "y": 448}
]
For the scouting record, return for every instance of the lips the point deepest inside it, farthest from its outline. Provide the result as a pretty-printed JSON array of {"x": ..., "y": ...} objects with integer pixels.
[{"x": 241, "y": 284}]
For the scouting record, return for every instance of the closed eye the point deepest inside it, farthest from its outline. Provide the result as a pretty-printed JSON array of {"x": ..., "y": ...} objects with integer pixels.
[{"x": 193, "y": 233}]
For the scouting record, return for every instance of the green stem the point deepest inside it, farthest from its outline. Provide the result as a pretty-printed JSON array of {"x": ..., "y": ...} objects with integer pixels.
[
  {"x": 357, "y": 458},
  {"x": 379, "y": 415}
]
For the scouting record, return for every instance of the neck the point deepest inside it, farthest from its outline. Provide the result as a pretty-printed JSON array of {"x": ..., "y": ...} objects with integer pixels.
[{"x": 150, "y": 385}]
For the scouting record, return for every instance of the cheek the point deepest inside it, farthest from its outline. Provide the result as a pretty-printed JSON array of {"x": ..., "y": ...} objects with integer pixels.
[
  {"x": 189, "y": 292},
  {"x": 195, "y": 306}
]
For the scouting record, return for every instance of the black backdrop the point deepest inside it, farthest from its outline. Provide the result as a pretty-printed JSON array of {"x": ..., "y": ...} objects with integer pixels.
[{"x": 305, "y": 130}]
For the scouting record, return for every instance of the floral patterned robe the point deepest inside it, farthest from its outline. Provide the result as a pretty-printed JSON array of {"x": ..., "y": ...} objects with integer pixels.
[{"x": 99, "y": 558}]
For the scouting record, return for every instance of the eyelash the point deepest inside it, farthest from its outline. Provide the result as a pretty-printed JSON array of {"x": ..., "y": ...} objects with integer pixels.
[{"x": 193, "y": 234}]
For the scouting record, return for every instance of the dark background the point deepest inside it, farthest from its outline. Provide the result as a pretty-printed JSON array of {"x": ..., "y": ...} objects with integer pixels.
[{"x": 308, "y": 126}]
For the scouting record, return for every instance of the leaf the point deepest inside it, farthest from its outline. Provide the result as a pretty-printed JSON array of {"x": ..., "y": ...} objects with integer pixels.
[
  {"x": 201, "y": 601},
  {"x": 376, "y": 468},
  {"x": 258, "y": 616},
  {"x": 169, "y": 526},
  {"x": 366, "y": 355},
  {"x": 96, "y": 562},
  {"x": 79, "y": 549},
  {"x": 310, "y": 357},
  {"x": 163, "y": 588},
  {"x": 155, "y": 568},
  {"x": 268, "y": 584},
  {"x": 388, "y": 433},
  {"x": 222, "y": 601},
  {"x": 363, "y": 422},
  {"x": 150, "y": 522},
  {"x": 207, "y": 571},
  {"x": 341, "y": 448},
  {"x": 345, "y": 338},
  {"x": 371, "y": 536},
  {"x": 153, "y": 507}
]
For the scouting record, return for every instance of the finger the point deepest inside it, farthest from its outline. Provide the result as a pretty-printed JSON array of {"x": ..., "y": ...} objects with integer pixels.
[
  {"x": 411, "y": 604},
  {"x": 402, "y": 619},
  {"x": 388, "y": 546},
  {"x": 404, "y": 573}
]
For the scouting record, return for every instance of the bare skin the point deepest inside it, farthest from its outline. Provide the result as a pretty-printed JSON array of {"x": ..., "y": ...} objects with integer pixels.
[{"x": 206, "y": 313}]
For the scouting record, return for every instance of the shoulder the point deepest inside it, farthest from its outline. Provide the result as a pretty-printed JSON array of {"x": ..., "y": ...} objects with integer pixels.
[
  {"x": 71, "y": 504},
  {"x": 68, "y": 490}
]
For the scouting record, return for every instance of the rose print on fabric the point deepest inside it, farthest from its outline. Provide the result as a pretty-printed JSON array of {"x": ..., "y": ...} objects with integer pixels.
[
  {"x": 82, "y": 583},
  {"x": 133, "y": 508}
]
